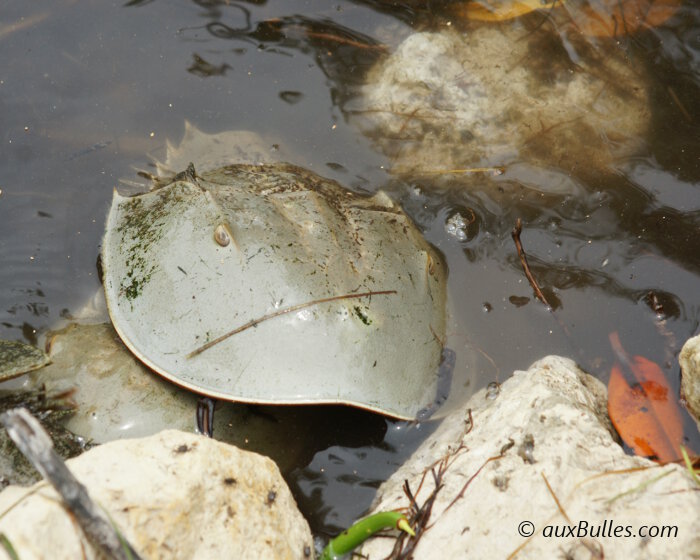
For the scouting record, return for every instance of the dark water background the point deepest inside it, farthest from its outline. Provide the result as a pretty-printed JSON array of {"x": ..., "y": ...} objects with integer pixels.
[{"x": 88, "y": 89}]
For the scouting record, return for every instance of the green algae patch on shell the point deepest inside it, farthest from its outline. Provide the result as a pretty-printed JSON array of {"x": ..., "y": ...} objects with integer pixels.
[
  {"x": 173, "y": 282},
  {"x": 17, "y": 358}
]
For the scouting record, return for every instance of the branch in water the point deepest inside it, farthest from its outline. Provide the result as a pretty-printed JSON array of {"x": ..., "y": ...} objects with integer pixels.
[{"x": 515, "y": 234}]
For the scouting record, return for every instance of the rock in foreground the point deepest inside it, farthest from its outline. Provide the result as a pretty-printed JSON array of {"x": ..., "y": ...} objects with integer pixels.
[
  {"x": 548, "y": 426},
  {"x": 172, "y": 495},
  {"x": 690, "y": 380}
]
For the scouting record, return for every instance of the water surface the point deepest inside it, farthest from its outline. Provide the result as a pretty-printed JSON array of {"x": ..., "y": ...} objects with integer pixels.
[{"x": 89, "y": 89}]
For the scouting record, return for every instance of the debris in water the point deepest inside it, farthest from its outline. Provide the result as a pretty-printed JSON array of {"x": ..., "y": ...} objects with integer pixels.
[{"x": 456, "y": 227}]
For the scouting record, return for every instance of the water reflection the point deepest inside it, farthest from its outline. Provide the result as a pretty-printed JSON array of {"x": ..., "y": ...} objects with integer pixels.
[
  {"x": 618, "y": 250},
  {"x": 348, "y": 475}
]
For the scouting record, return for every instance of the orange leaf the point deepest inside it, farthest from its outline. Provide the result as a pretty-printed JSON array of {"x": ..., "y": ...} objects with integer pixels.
[
  {"x": 495, "y": 10},
  {"x": 594, "y": 18},
  {"x": 642, "y": 406},
  {"x": 613, "y": 18}
]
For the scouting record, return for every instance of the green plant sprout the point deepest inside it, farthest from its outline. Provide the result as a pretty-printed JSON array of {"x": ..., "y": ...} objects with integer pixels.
[
  {"x": 7, "y": 547},
  {"x": 362, "y": 530},
  {"x": 689, "y": 465}
]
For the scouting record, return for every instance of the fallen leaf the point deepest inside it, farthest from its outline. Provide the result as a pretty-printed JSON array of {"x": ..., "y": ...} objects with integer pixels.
[
  {"x": 642, "y": 406},
  {"x": 495, "y": 10},
  {"x": 613, "y": 18},
  {"x": 594, "y": 18}
]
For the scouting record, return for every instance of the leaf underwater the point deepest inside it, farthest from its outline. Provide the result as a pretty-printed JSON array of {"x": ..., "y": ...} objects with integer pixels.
[
  {"x": 614, "y": 18},
  {"x": 497, "y": 11},
  {"x": 645, "y": 413},
  {"x": 595, "y": 18}
]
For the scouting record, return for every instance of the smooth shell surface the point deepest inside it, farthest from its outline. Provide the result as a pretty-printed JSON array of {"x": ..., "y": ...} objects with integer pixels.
[{"x": 295, "y": 238}]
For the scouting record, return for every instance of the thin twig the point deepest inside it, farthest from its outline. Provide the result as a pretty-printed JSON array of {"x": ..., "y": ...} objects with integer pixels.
[
  {"x": 345, "y": 41},
  {"x": 515, "y": 234},
  {"x": 497, "y": 170},
  {"x": 408, "y": 119},
  {"x": 556, "y": 500},
  {"x": 460, "y": 494},
  {"x": 680, "y": 105},
  {"x": 421, "y": 515},
  {"x": 284, "y": 311},
  {"x": 538, "y": 292},
  {"x": 638, "y": 488}
]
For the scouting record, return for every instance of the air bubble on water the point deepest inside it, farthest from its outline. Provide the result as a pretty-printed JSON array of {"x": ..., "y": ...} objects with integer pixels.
[
  {"x": 456, "y": 227},
  {"x": 492, "y": 390}
]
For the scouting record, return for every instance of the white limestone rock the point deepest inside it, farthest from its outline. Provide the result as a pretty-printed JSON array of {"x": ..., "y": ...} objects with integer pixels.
[
  {"x": 562, "y": 412},
  {"x": 690, "y": 378},
  {"x": 172, "y": 495},
  {"x": 484, "y": 97}
]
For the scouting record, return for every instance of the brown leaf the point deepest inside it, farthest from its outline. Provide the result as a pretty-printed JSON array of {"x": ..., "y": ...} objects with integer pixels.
[
  {"x": 642, "y": 406},
  {"x": 613, "y": 18},
  {"x": 594, "y": 18},
  {"x": 495, "y": 10}
]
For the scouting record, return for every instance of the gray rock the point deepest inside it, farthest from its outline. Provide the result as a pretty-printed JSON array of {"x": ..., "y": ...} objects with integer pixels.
[
  {"x": 17, "y": 358},
  {"x": 548, "y": 426},
  {"x": 172, "y": 495},
  {"x": 690, "y": 379}
]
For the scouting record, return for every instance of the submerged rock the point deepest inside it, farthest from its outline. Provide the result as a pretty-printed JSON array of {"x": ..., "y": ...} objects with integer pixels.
[
  {"x": 488, "y": 97},
  {"x": 52, "y": 409},
  {"x": 501, "y": 463},
  {"x": 690, "y": 376},
  {"x": 17, "y": 358},
  {"x": 173, "y": 495}
]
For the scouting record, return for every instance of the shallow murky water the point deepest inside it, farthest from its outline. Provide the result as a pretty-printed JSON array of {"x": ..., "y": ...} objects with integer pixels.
[{"x": 88, "y": 89}]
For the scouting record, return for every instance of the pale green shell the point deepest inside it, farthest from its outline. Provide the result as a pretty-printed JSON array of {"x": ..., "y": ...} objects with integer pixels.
[{"x": 201, "y": 256}]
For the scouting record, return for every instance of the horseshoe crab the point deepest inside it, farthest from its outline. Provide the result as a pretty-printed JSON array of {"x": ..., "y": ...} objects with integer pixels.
[{"x": 270, "y": 284}]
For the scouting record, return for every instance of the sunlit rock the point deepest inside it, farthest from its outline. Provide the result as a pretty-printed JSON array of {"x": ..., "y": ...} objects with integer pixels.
[
  {"x": 690, "y": 376},
  {"x": 502, "y": 464},
  {"x": 503, "y": 99},
  {"x": 173, "y": 495}
]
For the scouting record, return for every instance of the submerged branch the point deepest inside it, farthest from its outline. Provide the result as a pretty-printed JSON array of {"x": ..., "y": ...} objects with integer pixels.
[{"x": 515, "y": 234}]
